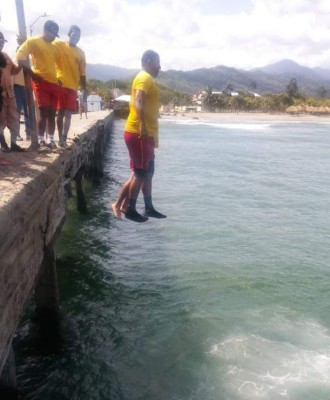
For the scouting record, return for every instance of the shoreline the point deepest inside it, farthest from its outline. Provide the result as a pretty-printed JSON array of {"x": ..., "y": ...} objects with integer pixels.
[{"x": 245, "y": 116}]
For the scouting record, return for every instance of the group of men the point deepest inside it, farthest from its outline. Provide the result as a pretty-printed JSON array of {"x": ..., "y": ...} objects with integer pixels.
[{"x": 58, "y": 70}]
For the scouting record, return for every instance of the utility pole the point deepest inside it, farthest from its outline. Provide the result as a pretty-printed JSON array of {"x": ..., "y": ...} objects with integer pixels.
[{"x": 27, "y": 78}]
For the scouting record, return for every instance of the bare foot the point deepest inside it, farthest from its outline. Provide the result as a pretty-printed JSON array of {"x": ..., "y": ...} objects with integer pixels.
[
  {"x": 123, "y": 210},
  {"x": 116, "y": 211}
]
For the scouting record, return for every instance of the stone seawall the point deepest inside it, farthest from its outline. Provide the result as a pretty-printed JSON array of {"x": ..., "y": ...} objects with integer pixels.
[{"x": 31, "y": 217}]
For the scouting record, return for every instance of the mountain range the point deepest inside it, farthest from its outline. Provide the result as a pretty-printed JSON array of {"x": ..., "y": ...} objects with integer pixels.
[{"x": 272, "y": 78}]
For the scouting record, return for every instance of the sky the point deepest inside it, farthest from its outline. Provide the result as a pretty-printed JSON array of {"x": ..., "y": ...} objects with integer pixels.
[{"x": 188, "y": 35}]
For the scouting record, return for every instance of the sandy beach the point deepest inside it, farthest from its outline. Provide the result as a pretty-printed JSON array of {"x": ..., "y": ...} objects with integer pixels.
[{"x": 245, "y": 116}]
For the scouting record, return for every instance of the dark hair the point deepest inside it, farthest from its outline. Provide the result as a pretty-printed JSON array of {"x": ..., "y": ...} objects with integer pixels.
[
  {"x": 51, "y": 27},
  {"x": 148, "y": 55},
  {"x": 74, "y": 28}
]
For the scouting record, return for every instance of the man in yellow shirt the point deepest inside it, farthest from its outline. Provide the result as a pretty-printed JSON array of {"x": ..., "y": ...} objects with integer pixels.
[
  {"x": 141, "y": 138},
  {"x": 44, "y": 80},
  {"x": 71, "y": 73}
]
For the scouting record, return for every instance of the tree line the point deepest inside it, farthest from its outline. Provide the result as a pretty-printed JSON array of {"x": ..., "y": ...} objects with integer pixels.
[
  {"x": 225, "y": 100},
  {"x": 269, "y": 102}
]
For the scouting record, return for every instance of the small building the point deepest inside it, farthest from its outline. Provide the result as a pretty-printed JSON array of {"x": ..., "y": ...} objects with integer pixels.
[
  {"x": 121, "y": 105},
  {"x": 94, "y": 102}
]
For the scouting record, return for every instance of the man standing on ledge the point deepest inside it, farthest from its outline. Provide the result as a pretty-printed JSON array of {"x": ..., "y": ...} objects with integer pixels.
[
  {"x": 141, "y": 136},
  {"x": 44, "y": 80},
  {"x": 71, "y": 72}
]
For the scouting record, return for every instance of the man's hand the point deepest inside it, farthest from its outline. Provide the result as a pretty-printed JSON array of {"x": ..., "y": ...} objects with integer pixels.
[{"x": 36, "y": 77}]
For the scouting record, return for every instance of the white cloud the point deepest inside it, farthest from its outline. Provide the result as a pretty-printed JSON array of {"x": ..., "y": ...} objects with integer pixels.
[{"x": 188, "y": 35}]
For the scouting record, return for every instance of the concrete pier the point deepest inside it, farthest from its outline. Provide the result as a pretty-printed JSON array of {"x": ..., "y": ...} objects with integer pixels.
[{"x": 34, "y": 188}]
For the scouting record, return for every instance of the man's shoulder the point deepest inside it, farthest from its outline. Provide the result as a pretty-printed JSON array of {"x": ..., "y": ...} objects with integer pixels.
[
  {"x": 33, "y": 42},
  {"x": 80, "y": 50},
  {"x": 143, "y": 76},
  {"x": 34, "y": 39},
  {"x": 60, "y": 43},
  {"x": 80, "y": 53}
]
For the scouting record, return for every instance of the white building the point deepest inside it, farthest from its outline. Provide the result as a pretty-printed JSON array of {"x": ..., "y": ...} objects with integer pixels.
[{"x": 94, "y": 102}]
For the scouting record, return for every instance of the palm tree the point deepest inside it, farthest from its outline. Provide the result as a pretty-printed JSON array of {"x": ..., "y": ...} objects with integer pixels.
[
  {"x": 228, "y": 89},
  {"x": 292, "y": 88},
  {"x": 208, "y": 100}
]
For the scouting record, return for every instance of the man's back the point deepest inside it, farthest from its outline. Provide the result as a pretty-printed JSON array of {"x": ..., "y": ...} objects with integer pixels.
[
  {"x": 146, "y": 83},
  {"x": 71, "y": 64}
]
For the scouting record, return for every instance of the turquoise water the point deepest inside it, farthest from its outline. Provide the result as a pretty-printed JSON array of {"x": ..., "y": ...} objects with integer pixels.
[{"x": 226, "y": 299}]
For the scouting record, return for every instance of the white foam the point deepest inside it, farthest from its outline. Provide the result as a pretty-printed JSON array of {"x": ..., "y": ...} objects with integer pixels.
[
  {"x": 232, "y": 126},
  {"x": 258, "y": 367}
]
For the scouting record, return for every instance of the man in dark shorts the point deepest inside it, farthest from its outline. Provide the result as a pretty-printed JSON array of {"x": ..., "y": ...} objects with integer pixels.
[{"x": 141, "y": 138}]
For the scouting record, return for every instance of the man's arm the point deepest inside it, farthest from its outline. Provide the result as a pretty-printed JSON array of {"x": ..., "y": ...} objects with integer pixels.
[
  {"x": 27, "y": 68},
  {"x": 22, "y": 56},
  {"x": 139, "y": 104},
  {"x": 83, "y": 82},
  {"x": 15, "y": 69}
]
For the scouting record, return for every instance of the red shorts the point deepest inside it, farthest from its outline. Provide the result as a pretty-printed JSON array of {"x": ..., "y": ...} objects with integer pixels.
[
  {"x": 67, "y": 99},
  {"x": 141, "y": 150},
  {"x": 46, "y": 94}
]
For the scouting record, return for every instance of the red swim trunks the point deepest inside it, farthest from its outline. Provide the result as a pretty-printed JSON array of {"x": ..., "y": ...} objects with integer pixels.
[
  {"x": 46, "y": 94},
  {"x": 141, "y": 150},
  {"x": 67, "y": 99}
]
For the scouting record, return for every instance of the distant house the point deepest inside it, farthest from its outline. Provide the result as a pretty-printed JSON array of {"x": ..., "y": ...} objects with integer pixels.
[
  {"x": 121, "y": 105},
  {"x": 94, "y": 102}
]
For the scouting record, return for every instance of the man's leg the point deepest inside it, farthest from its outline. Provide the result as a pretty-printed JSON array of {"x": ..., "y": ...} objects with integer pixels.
[
  {"x": 120, "y": 206},
  {"x": 147, "y": 194},
  {"x": 67, "y": 124},
  {"x": 3, "y": 123},
  {"x": 136, "y": 151},
  {"x": 3, "y": 143},
  {"x": 51, "y": 122},
  {"x": 19, "y": 93},
  {"x": 59, "y": 122},
  {"x": 26, "y": 118},
  {"x": 13, "y": 124},
  {"x": 42, "y": 123},
  {"x": 133, "y": 192}
]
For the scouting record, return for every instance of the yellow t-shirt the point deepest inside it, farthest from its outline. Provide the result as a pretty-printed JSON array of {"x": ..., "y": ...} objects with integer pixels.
[
  {"x": 145, "y": 82},
  {"x": 71, "y": 64},
  {"x": 44, "y": 56}
]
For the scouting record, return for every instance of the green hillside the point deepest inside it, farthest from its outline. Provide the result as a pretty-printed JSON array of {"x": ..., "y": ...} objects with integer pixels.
[{"x": 270, "y": 79}]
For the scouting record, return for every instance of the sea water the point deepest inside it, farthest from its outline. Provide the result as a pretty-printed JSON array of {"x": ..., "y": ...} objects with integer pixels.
[{"x": 226, "y": 299}]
